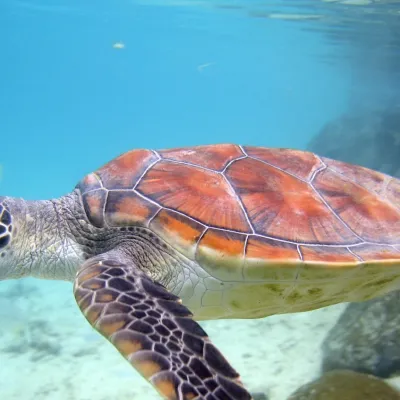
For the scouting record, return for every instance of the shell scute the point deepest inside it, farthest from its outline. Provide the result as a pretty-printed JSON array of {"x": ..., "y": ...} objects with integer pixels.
[
  {"x": 93, "y": 204},
  {"x": 89, "y": 182},
  {"x": 369, "y": 179},
  {"x": 393, "y": 192},
  {"x": 270, "y": 249},
  {"x": 263, "y": 258},
  {"x": 125, "y": 171},
  {"x": 126, "y": 208},
  {"x": 366, "y": 214},
  {"x": 208, "y": 156},
  {"x": 327, "y": 254},
  {"x": 222, "y": 253},
  {"x": 282, "y": 206},
  {"x": 175, "y": 228},
  {"x": 301, "y": 164},
  {"x": 376, "y": 252},
  {"x": 200, "y": 194}
]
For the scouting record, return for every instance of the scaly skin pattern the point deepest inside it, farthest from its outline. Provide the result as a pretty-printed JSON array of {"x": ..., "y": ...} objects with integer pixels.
[
  {"x": 40, "y": 238},
  {"x": 154, "y": 331}
]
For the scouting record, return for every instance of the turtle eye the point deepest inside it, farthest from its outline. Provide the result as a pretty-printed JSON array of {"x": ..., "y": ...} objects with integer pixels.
[
  {"x": 5, "y": 218},
  {"x": 5, "y": 226},
  {"x": 4, "y": 240}
]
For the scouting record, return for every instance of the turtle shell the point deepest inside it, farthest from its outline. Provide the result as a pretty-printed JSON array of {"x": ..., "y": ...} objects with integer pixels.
[{"x": 254, "y": 214}]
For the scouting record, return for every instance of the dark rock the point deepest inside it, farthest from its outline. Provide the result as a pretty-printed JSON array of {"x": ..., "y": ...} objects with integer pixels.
[
  {"x": 366, "y": 338},
  {"x": 345, "y": 385},
  {"x": 259, "y": 396},
  {"x": 369, "y": 139}
]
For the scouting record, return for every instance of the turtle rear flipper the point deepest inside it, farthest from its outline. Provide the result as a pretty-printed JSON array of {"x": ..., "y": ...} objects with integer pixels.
[{"x": 154, "y": 331}]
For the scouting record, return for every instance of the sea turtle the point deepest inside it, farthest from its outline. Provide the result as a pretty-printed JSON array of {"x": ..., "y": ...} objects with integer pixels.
[{"x": 225, "y": 231}]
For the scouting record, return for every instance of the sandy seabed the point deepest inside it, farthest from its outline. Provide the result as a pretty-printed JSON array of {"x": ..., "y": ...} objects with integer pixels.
[{"x": 48, "y": 351}]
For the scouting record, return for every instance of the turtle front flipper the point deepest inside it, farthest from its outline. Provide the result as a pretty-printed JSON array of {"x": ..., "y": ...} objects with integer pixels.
[{"x": 154, "y": 331}]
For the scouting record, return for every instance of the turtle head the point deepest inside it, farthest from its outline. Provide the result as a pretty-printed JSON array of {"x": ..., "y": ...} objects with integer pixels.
[
  {"x": 36, "y": 239},
  {"x": 11, "y": 223},
  {"x": 21, "y": 236},
  {"x": 15, "y": 238}
]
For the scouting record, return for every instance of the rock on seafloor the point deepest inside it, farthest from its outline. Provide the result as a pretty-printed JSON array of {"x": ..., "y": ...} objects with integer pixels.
[
  {"x": 346, "y": 385},
  {"x": 366, "y": 338},
  {"x": 369, "y": 138},
  {"x": 259, "y": 396}
]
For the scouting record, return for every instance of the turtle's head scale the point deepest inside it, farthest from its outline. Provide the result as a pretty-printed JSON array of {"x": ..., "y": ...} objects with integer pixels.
[
  {"x": 5, "y": 226},
  {"x": 12, "y": 216},
  {"x": 35, "y": 239}
]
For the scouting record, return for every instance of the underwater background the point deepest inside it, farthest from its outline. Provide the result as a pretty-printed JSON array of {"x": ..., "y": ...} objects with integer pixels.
[{"x": 84, "y": 81}]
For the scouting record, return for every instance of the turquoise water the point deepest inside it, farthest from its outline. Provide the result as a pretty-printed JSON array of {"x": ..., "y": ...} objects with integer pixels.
[
  {"x": 83, "y": 81},
  {"x": 71, "y": 101}
]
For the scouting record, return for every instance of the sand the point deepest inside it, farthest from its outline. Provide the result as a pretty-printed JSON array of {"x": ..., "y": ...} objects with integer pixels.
[{"x": 49, "y": 351}]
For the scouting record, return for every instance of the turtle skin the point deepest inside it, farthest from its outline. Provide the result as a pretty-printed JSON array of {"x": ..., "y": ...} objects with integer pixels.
[{"x": 152, "y": 329}]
